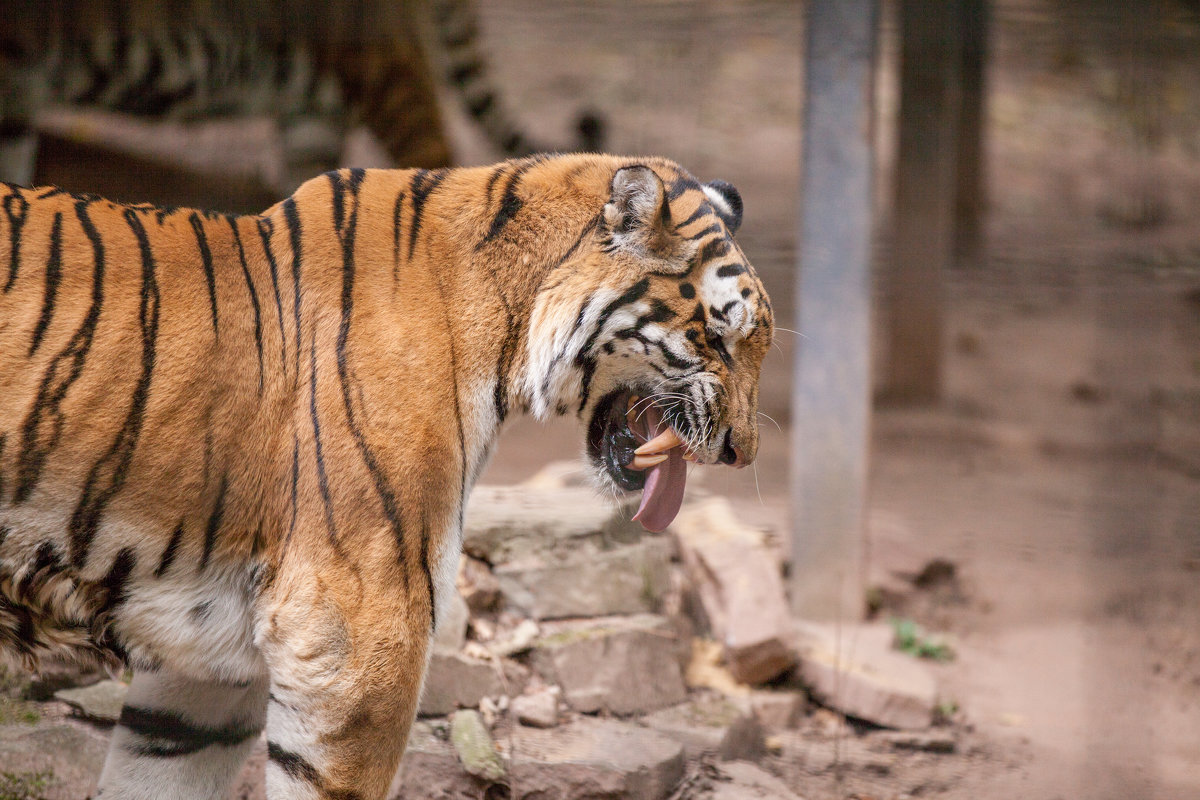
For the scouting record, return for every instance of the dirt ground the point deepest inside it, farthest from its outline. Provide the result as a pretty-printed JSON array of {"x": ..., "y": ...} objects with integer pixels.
[{"x": 1061, "y": 472}]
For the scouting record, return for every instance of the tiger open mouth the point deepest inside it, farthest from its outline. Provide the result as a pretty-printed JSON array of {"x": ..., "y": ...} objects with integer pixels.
[{"x": 629, "y": 438}]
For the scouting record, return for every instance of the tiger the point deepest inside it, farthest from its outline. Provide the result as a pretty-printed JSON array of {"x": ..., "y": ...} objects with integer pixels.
[
  {"x": 235, "y": 451},
  {"x": 317, "y": 71}
]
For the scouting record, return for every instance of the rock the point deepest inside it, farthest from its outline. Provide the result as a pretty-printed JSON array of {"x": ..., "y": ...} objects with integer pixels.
[
  {"x": 629, "y": 579},
  {"x": 739, "y": 780},
  {"x": 478, "y": 586},
  {"x": 518, "y": 640},
  {"x": 457, "y": 681},
  {"x": 53, "y": 676},
  {"x": 594, "y": 758},
  {"x": 56, "y": 762},
  {"x": 865, "y": 677},
  {"x": 452, "y": 625},
  {"x": 712, "y": 724},
  {"x": 560, "y": 475},
  {"x": 778, "y": 710},
  {"x": 100, "y": 702},
  {"x": 926, "y": 741},
  {"x": 539, "y": 710},
  {"x": 504, "y": 523},
  {"x": 622, "y": 665},
  {"x": 739, "y": 587},
  {"x": 474, "y": 746},
  {"x": 705, "y": 670}
]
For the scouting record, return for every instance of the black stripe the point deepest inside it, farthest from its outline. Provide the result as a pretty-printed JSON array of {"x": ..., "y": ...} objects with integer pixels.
[
  {"x": 265, "y": 229},
  {"x": 37, "y": 443},
  {"x": 508, "y": 351},
  {"x": 114, "y": 583},
  {"x": 295, "y": 486},
  {"x": 172, "y": 549},
  {"x": 46, "y": 560},
  {"x": 214, "y": 524},
  {"x": 700, "y": 234},
  {"x": 730, "y": 270},
  {"x": 53, "y": 275},
  {"x": 584, "y": 358},
  {"x": 108, "y": 474},
  {"x": 703, "y": 210},
  {"x": 420, "y": 189},
  {"x": 237, "y": 238},
  {"x": 425, "y": 535},
  {"x": 292, "y": 216},
  {"x": 16, "y": 208},
  {"x": 293, "y": 764},
  {"x": 206, "y": 260},
  {"x": 168, "y": 733},
  {"x": 322, "y": 478},
  {"x": 396, "y": 211},
  {"x": 681, "y": 184},
  {"x": 510, "y": 204},
  {"x": 346, "y": 229}
]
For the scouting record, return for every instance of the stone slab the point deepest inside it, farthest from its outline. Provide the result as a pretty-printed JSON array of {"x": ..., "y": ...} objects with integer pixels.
[
  {"x": 100, "y": 702},
  {"x": 504, "y": 523},
  {"x": 739, "y": 587},
  {"x": 587, "y": 758},
  {"x": 620, "y": 665},
  {"x": 854, "y": 670},
  {"x": 627, "y": 579}
]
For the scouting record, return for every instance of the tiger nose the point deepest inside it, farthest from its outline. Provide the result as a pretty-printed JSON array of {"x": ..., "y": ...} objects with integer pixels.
[{"x": 730, "y": 454}]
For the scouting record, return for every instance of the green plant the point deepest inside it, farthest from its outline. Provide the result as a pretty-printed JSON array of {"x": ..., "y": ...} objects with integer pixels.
[
  {"x": 24, "y": 785},
  {"x": 14, "y": 711},
  {"x": 910, "y": 639}
]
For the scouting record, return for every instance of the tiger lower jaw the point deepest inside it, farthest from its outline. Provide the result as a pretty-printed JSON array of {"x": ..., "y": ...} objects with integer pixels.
[{"x": 633, "y": 448}]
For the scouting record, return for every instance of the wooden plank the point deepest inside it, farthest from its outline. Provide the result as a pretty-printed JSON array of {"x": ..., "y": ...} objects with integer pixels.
[{"x": 831, "y": 391}]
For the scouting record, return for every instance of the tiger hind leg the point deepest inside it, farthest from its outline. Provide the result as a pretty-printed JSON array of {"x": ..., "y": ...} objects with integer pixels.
[{"x": 181, "y": 738}]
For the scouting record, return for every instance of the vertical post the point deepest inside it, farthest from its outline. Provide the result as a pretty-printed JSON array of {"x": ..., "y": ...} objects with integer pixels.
[
  {"x": 926, "y": 159},
  {"x": 971, "y": 194},
  {"x": 831, "y": 391}
]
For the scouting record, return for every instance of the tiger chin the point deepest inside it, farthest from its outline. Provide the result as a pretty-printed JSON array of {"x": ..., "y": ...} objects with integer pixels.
[{"x": 235, "y": 452}]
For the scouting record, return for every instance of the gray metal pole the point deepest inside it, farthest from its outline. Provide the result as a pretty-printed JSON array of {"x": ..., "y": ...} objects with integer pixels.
[{"x": 832, "y": 387}]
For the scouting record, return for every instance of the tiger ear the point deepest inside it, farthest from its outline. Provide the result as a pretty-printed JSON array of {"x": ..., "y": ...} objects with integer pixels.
[
  {"x": 726, "y": 202},
  {"x": 637, "y": 212}
]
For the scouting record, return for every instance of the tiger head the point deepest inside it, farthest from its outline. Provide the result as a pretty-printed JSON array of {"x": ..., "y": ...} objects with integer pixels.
[{"x": 655, "y": 337}]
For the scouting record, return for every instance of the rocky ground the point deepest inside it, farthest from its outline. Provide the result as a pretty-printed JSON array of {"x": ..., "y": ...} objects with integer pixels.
[{"x": 584, "y": 657}]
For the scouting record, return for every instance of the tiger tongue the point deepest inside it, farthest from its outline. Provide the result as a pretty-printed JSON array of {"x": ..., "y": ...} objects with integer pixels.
[{"x": 663, "y": 493}]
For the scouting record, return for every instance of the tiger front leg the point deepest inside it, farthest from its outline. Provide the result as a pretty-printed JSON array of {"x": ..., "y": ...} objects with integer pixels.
[{"x": 346, "y": 659}]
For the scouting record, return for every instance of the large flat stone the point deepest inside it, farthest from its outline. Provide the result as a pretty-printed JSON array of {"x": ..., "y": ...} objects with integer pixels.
[
  {"x": 457, "y": 681},
  {"x": 739, "y": 587},
  {"x": 712, "y": 724},
  {"x": 622, "y": 665},
  {"x": 589, "y": 758},
  {"x": 504, "y": 523},
  {"x": 628, "y": 579},
  {"x": 100, "y": 702},
  {"x": 855, "y": 671},
  {"x": 739, "y": 780},
  {"x": 67, "y": 757}
]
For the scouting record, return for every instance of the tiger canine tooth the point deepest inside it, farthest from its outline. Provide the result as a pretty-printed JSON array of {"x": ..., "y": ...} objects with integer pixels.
[
  {"x": 641, "y": 462},
  {"x": 664, "y": 441}
]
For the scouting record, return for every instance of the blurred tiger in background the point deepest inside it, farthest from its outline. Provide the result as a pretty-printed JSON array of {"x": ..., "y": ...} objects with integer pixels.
[
  {"x": 319, "y": 69},
  {"x": 235, "y": 451}
]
